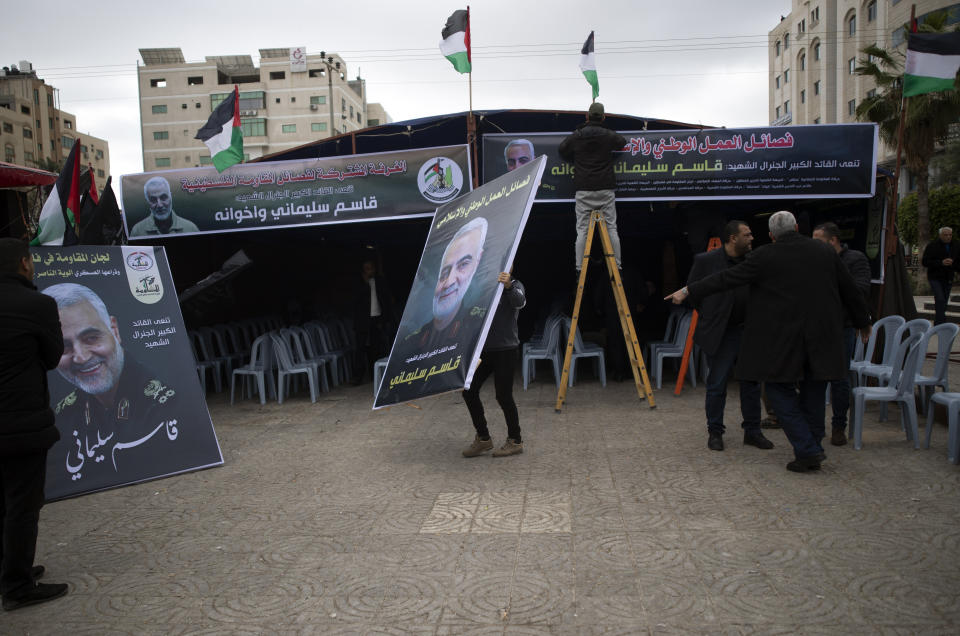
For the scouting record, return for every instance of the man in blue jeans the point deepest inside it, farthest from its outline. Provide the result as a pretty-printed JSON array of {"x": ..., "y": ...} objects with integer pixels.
[
  {"x": 940, "y": 259},
  {"x": 719, "y": 332}
]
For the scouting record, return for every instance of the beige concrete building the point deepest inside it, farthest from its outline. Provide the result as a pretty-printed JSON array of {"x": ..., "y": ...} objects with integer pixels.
[
  {"x": 816, "y": 47},
  {"x": 288, "y": 100},
  {"x": 33, "y": 129}
]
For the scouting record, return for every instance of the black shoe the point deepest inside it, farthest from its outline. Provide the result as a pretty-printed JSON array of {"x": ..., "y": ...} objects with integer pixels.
[
  {"x": 838, "y": 437},
  {"x": 37, "y": 572},
  {"x": 39, "y": 593},
  {"x": 756, "y": 438},
  {"x": 804, "y": 464},
  {"x": 715, "y": 442},
  {"x": 769, "y": 423}
]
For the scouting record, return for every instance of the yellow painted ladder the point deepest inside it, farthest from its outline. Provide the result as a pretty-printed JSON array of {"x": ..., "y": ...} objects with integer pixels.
[{"x": 623, "y": 308}]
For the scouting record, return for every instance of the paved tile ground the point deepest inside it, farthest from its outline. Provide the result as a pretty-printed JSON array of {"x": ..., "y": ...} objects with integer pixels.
[{"x": 333, "y": 519}]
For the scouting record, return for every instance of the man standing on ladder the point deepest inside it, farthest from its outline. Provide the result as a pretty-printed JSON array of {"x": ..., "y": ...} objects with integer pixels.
[
  {"x": 590, "y": 149},
  {"x": 719, "y": 332}
]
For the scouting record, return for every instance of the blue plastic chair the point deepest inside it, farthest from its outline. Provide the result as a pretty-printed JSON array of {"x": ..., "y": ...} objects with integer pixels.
[
  {"x": 550, "y": 351},
  {"x": 950, "y": 401}
]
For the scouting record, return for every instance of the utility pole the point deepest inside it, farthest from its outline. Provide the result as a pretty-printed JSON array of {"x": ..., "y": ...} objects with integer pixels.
[{"x": 331, "y": 66}]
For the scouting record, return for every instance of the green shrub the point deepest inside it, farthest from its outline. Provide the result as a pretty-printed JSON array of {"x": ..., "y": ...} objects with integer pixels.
[{"x": 944, "y": 210}]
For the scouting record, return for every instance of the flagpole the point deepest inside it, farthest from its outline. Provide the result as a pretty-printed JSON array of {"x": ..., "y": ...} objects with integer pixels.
[{"x": 471, "y": 122}]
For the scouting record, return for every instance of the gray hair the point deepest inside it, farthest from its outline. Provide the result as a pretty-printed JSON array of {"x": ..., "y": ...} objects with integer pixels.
[
  {"x": 782, "y": 222},
  {"x": 478, "y": 223},
  {"x": 155, "y": 180},
  {"x": 944, "y": 229},
  {"x": 518, "y": 142},
  {"x": 69, "y": 294}
]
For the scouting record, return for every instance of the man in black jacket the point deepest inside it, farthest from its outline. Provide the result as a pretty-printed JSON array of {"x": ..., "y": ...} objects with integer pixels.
[
  {"x": 719, "y": 332},
  {"x": 30, "y": 345},
  {"x": 940, "y": 259},
  {"x": 859, "y": 267},
  {"x": 793, "y": 336},
  {"x": 590, "y": 149},
  {"x": 499, "y": 357}
]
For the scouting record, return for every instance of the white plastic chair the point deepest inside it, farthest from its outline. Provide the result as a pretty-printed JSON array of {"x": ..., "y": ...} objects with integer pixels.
[
  {"x": 888, "y": 326},
  {"x": 670, "y": 333},
  {"x": 950, "y": 401},
  {"x": 584, "y": 350},
  {"x": 550, "y": 351},
  {"x": 946, "y": 333},
  {"x": 204, "y": 362},
  {"x": 326, "y": 363},
  {"x": 379, "y": 368},
  {"x": 259, "y": 368},
  {"x": 286, "y": 367},
  {"x": 900, "y": 389},
  {"x": 661, "y": 352}
]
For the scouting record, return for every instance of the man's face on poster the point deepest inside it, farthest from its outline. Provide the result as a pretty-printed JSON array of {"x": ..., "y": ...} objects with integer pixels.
[
  {"x": 92, "y": 357},
  {"x": 518, "y": 155},
  {"x": 157, "y": 194},
  {"x": 460, "y": 261}
]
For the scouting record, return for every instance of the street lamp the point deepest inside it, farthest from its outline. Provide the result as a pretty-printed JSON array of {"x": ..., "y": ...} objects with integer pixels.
[{"x": 331, "y": 66}]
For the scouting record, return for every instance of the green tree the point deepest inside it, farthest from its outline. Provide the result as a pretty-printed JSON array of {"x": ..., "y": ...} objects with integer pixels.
[
  {"x": 50, "y": 165},
  {"x": 944, "y": 211},
  {"x": 928, "y": 116}
]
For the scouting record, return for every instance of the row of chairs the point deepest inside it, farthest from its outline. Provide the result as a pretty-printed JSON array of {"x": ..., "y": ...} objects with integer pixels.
[
  {"x": 550, "y": 344},
  {"x": 899, "y": 374},
  {"x": 218, "y": 348}
]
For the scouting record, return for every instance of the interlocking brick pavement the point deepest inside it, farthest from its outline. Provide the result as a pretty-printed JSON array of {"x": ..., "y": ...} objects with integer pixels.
[{"x": 329, "y": 518}]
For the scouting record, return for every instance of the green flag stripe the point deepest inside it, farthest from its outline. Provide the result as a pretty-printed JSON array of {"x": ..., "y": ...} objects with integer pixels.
[
  {"x": 460, "y": 61},
  {"x": 918, "y": 85}
]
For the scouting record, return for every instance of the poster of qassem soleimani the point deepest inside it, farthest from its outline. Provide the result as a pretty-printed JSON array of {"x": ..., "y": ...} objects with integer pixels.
[
  {"x": 455, "y": 292},
  {"x": 126, "y": 394}
]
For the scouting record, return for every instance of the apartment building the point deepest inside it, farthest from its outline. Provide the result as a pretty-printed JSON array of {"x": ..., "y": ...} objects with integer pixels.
[
  {"x": 288, "y": 100},
  {"x": 814, "y": 51},
  {"x": 34, "y": 129}
]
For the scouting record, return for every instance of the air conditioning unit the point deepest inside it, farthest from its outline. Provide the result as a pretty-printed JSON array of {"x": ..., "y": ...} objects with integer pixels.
[
  {"x": 248, "y": 113},
  {"x": 314, "y": 107}
]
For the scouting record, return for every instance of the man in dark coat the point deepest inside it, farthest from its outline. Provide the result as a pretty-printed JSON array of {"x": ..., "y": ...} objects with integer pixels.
[
  {"x": 719, "y": 333},
  {"x": 499, "y": 357},
  {"x": 859, "y": 267},
  {"x": 793, "y": 336},
  {"x": 590, "y": 149},
  {"x": 30, "y": 345},
  {"x": 940, "y": 259}
]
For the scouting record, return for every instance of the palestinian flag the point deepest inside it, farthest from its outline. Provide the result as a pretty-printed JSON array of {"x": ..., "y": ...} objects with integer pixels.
[
  {"x": 456, "y": 40},
  {"x": 933, "y": 60},
  {"x": 589, "y": 66},
  {"x": 222, "y": 133},
  {"x": 58, "y": 217}
]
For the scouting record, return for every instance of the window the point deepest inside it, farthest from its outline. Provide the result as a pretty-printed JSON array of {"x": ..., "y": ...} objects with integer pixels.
[
  {"x": 786, "y": 41},
  {"x": 803, "y": 62},
  {"x": 27, "y": 156},
  {"x": 786, "y": 76},
  {"x": 249, "y": 100},
  {"x": 195, "y": 80},
  {"x": 27, "y": 133},
  {"x": 318, "y": 99},
  {"x": 278, "y": 75},
  {"x": 852, "y": 25},
  {"x": 9, "y": 153},
  {"x": 25, "y": 110},
  {"x": 803, "y": 97},
  {"x": 351, "y": 111},
  {"x": 99, "y": 154},
  {"x": 777, "y": 112},
  {"x": 158, "y": 82},
  {"x": 36, "y": 97},
  {"x": 343, "y": 104},
  {"x": 7, "y": 128},
  {"x": 206, "y": 160},
  {"x": 161, "y": 134},
  {"x": 183, "y": 106},
  {"x": 68, "y": 124},
  {"x": 816, "y": 51},
  {"x": 776, "y": 48},
  {"x": 317, "y": 72},
  {"x": 359, "y": 119},
  {"x": 277, "y": 100},
  {"x": 293, "y": 99},
  {"x": 871, "y": 93},
  {"x": 197, "y": 105},
  {"x": 289, "y": 128},
  {"x": 872, "y": 11},
  {"x": 802, "y": 26},
  {"x": 816, "y": 87},
  {"x": 50, "y": 122},
  {"x": 815, "y": 15},
  {"x": 66, "y": 142},
  {"x": 852, "y": 65},
  {"x": 852, "y": 107},
  {"x": 186, "y": 158},
  {"x": 49, "y": 100},
  {"x": 100, "y": 173},
  {"x": 38, "y": 125},
  {"x": 83, "y": 149},
  {"x": 373, "y": 122},
  {"x": 162, "y": 162},
  {"x": 253, "y": 127},
  {"x": 318, "y": 127},
  {"x": 776, "y": 81},
  {"x": 786, "y": 107}
]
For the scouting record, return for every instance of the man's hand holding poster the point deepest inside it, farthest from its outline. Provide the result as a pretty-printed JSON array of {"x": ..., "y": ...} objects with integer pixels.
[{"x": 444, "y": 325}]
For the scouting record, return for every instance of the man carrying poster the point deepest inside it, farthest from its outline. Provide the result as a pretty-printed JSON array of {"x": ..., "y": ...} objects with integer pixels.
[
  {"x": 116, "y": 405},
  {"x": 472, "y": 240}
]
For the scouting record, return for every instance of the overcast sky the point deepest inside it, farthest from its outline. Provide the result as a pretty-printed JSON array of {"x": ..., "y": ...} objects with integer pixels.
[{"x": 697, "y": 61}]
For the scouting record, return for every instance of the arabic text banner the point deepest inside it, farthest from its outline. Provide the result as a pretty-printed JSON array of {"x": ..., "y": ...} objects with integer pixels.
[
  {"x": 126, "y": 394},
  {"x": 784, "y": 162},
  {"x": 373, "y": 187},
  {"x": 455, "y": 292}
]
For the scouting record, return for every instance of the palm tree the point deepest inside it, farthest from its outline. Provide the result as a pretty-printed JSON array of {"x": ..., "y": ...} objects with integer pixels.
[{"x": 928, "y": 116}]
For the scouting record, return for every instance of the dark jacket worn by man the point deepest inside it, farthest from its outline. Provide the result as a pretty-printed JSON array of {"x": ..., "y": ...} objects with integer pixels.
[
  {"x": 859, "y": 267},
  {"x": 715, "y": 311},
  {"x": 590, "y": 148},
  {"x": 934, "y": 255}
]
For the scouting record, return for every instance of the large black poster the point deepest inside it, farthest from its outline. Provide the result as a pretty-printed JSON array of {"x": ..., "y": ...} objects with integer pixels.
[
  {"x": 126, "y": 393},
  {"x": 372, "y": 187},
  {"x": 784, "y": 162},
  {"x": 455, "y": 292}
]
